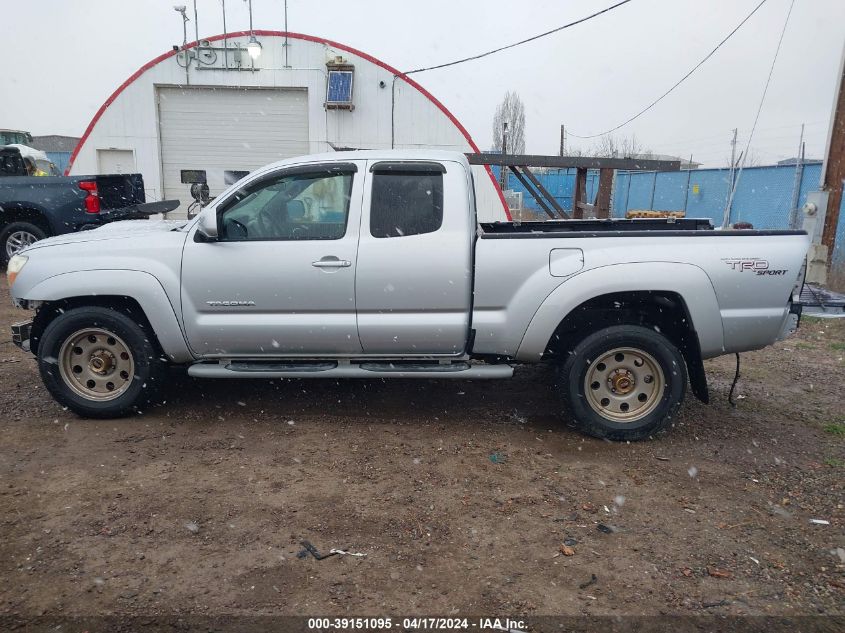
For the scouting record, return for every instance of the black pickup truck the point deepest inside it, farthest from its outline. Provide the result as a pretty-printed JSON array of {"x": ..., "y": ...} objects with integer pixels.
[{"x": 35, "y": 207}]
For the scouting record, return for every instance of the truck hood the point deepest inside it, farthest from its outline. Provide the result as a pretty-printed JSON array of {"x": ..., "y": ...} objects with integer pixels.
[{"x": 137, "y": 229}]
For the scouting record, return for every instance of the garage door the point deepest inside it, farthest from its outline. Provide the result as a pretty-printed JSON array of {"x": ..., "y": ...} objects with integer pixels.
[
  {"x": 222, "y": 130},
  {"x": 115, "y": 161}
]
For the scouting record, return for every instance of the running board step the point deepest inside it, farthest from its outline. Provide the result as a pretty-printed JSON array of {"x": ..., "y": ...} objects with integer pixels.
[
  {"x": 415, "y": 367},
  {"x": 332, "y": 369},
  {"x": 251, "y": 367}
]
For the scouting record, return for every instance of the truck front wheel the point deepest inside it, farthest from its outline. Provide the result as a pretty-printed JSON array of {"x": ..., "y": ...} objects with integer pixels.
[
  {"x": 623, "y": 383},
  {"x": 98, "y": 362}
]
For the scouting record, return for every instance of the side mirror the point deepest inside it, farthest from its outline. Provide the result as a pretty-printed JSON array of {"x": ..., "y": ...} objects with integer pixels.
[{"x": 207, "y": 225}]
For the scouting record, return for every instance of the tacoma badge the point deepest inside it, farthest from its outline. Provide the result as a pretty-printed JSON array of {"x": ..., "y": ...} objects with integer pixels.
[{"x": 230, "y": 304}]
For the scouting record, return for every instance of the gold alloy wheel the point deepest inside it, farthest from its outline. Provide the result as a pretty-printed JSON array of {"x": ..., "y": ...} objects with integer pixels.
[
  {"x": 96, "y": 364},
  {"x": 624, "y": 384}
]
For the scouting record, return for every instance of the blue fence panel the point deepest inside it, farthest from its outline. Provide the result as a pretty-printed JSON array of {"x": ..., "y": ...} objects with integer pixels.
[
  {"x": 708, "y": 194},
  {"x": 59, "y": 159},
  {"x": 763, "y": 195},
  {"x": 559, "y": 182},
  {"x": 667, "y": 191},
  {"x": 670, "y": 191},
  {"x": 838, "y": 257},
  {"x": 637, "y": 192},
  {"x": 810, "y": 181}
]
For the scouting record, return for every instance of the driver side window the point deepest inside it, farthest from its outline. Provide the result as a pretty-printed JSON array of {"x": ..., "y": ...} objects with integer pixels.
[{"x": 298, "y": 204}]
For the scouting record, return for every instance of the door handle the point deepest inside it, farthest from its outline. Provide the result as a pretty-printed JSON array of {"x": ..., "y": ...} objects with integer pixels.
[{"x": 331, "y": 262}]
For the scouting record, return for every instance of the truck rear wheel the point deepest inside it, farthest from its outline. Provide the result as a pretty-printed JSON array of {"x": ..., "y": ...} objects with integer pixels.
[
  {"x": 16, "y": 236},
  {"x": 623, "y": 383},
  {"x": 98, "y": 362}
]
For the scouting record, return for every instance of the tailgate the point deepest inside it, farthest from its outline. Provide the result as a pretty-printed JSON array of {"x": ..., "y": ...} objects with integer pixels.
[{"x": 120, "y": 190}]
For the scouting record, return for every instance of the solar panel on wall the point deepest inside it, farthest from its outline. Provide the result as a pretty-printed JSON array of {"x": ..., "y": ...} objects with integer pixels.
[{"x": 340, "y": 86}]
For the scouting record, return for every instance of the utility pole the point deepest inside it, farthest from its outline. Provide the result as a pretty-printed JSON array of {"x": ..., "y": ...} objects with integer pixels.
[
  {"x": 225, "y": 39},
  {"x": 796, "y": 182},
  {"x": 562, "y": 140},
  {"x": 504, "y": 176},
  {"x": 833, "y": 170},
  {"x": 686, "y": 190},
  {"x": 286, "y": 44},
  {"x": 726, "y": 219}
]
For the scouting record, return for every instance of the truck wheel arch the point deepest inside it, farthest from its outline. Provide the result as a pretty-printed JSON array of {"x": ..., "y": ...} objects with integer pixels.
[
  {"x": 15, "y": 212},
  {"x": 663, "y": 296},
  {"x": 147, "y": 298}
]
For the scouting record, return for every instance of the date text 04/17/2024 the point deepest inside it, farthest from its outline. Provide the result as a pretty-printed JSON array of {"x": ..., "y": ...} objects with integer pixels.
[{"x": 416, "y": 623}]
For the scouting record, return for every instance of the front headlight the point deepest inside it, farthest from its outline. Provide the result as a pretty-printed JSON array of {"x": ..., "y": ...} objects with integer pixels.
[{"x": 16, "y": 263}]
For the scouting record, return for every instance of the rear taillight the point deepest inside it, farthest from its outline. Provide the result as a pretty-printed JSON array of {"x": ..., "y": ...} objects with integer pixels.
[{"x": 92, "y": 200}]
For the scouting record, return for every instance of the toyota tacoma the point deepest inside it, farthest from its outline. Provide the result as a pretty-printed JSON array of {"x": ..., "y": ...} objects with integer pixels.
[{"x": 372, "y": 264}]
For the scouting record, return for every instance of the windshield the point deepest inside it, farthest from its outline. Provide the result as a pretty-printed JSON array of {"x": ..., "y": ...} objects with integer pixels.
[{"x": 8, "y": 137}]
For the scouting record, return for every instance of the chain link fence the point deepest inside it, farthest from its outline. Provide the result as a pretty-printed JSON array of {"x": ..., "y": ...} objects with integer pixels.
[{"x": 767, "y": 197}]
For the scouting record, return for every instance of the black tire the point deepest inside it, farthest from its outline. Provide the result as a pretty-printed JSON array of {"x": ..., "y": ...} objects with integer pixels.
[
  {"x": 11, "y": 229},
  {"x": 663, "y": 404},
  {"x": 141, "y": 386}
]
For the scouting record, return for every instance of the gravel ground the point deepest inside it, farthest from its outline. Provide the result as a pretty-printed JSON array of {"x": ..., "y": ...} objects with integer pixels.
[{"x": 461, "y": 495}]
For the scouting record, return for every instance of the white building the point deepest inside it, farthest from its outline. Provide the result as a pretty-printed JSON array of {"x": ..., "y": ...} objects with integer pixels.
[{"x": 212, "y": 108}]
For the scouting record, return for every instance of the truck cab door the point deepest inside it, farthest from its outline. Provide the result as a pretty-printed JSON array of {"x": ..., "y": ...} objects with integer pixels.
[
  {"x": 280, "y": 278},
  {"x": 413, "y": 283}
]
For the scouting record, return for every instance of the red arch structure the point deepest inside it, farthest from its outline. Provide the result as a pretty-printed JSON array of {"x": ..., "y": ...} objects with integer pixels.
[{"x": 298, "y": 36}]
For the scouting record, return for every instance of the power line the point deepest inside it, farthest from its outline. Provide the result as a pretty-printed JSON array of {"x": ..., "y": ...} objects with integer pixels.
[
  {"x": 727, "y": 217},
  {"x": 530, "y": 39},
  {"x": 760, "y": 141},
  {"x": 712, "y": 142},
  {"x": 678, "y": 83}
]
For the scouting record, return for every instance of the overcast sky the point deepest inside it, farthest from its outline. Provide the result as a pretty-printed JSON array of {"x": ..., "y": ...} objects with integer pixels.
[{"x": 64, "y": 58}]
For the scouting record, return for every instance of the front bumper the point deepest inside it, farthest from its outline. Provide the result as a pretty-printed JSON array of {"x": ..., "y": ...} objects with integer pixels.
[{"x": 21, "y": 333}]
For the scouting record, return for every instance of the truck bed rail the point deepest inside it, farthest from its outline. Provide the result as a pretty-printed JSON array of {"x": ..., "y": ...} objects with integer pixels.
[
  {"x": 615, "y": 227},
  {"x": 612, "y": 224}
]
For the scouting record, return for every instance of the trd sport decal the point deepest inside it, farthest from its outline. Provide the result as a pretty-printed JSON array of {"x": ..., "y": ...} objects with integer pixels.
[{"x": 755, "y": 265}]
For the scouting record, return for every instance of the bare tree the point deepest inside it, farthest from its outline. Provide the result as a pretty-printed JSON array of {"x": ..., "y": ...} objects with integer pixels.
[
  {"x": 511, "y": 111},
  {"x": 609, "y": 146},
  {"x": 751, "y": 159}
]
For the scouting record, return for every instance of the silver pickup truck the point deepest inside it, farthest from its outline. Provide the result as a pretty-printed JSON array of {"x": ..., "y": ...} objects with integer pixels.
[{"x": 372, "y": 265}]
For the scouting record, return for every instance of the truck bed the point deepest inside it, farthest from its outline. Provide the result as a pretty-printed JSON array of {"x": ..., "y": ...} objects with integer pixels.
[
  {"x": 638, "y": 227},
  {"x": 58, "y": 201}
]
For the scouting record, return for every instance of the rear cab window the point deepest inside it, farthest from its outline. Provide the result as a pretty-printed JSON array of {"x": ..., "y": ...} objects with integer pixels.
[{"x": 407, "y": 199}]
